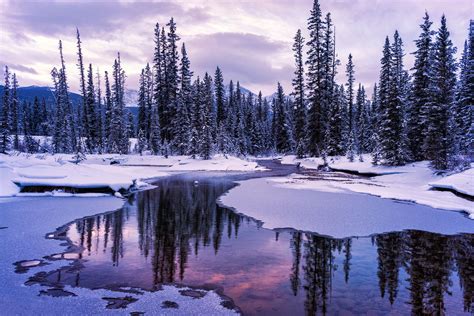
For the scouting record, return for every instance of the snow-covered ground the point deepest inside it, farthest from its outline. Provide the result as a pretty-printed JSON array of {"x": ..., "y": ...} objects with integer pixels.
[
  {"x": 332, "y": 211},
  {"x": 23, "y": 238},
  {"x": 412, "y": 182},
  {"x": 97, "y": 172}
]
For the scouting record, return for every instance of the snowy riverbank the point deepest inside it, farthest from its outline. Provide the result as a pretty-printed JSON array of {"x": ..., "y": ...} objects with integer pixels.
[
  {"x": 412, "y": 182},
  {"x": 96, "y": 171}
]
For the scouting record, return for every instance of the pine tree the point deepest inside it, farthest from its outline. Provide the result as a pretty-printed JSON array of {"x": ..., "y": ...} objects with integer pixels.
[
  {"x": 100, "y": 116},
  {"x": 439, "y": 143},
  {"x": 464, "y": 105},
  {"x": 196, "y": 117},
  {"x": 283, "y": 137},
  {"x": 335, "y": 138},
  {"x": 182, "y": 119},
  {"x": 82, "y": 110},
  {"x": 90, "y": 119},
  {"x": 108, "y": 114},
  {"x": 5, "y": 118},
  {"x": 118, "y": 138},
  {"x": 420, "y": 96},
  {"x": 239, "y": 124},
  {"x": 143, "y": 115},
  {"x": 350, "y": 108},
  {"x": 205, "y": 146},
  {"x": 14, "y": 109},
  {"x": 362, "y": 122},
  {"x": 64, "y": 138},
  {"x": 392, "y": 104},
  {"x": 298, "y": 93},
  {"x": 220, "y": 97},
  {"x": 328, "y": 79},
  {"x": 314, "y": 77},
  {"x": 155, "y": 132}
]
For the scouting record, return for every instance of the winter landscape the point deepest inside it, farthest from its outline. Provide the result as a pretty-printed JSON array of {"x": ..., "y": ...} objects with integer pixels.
[{"x": 248, "y": 157}]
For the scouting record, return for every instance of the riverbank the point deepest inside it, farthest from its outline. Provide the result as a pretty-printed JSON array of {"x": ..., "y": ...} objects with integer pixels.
[
  {"x": 59, "y": 175},
  {"x": 414, "y": 182}
]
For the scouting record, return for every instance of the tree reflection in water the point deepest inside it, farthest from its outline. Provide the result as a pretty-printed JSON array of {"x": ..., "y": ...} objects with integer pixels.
[{"x": 414, "y": 269}]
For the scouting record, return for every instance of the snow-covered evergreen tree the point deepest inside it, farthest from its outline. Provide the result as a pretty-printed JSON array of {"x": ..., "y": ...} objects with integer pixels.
[
  {"x": 314, "y": 77},
  {"x": 182, "y": 118},
  {"x": 284, "y": 142},
  {"x": 420, "y": 96},
  {"x": 108, "y": 114},
  {"x": 392, "y": 104},
  {"x": 205, "y": 143},
  {"x": 14, "y": 109},
  {"x": 90, "y": 115},
  {"x": 439, "y": 141},
  {"x": 298, "y": 94},
  {"x": 464, "y": 104},
  {"x": 5, "y": 118},
  {"x": 118, "y": 138},
  {"x": 220, "y": 97},
  {"x": 64, "y": 138},
  {"x": 351, "y": 142},
  {"x": 335, "y": 137}
]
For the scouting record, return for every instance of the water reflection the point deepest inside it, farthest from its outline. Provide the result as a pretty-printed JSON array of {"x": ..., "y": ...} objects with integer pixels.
[{"x": 177, "y": 233}]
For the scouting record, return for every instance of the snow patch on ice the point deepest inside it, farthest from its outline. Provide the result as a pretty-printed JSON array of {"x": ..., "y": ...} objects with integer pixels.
[
  {"x": 335, "y": 213},
  {"x": 412, "y": 182}
]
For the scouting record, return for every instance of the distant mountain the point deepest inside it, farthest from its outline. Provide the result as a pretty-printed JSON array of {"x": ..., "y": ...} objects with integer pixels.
[
  {"x": 131, "y": 98},
  {"x": 28, "y": 94}
]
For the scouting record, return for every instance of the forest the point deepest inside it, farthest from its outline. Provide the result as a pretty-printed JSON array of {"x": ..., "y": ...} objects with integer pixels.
[{"x": 419, "y": 112}]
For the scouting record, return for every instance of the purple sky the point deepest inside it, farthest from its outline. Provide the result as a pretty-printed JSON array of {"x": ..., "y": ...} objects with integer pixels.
[{"x": 251, "y": 40}]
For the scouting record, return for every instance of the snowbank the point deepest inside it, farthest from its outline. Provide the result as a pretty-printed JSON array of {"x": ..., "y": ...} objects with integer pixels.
[
  {"x": 412, "y": 182},
  {"x": 462, "y": 182},
  {"x": 116, "y": 172},
  {"x": 27, "y": 221},
  {"x": 337, "y": 213}
]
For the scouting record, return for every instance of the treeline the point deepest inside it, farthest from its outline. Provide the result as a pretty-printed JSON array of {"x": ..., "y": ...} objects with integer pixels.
[{"x": 425, "y": 114}]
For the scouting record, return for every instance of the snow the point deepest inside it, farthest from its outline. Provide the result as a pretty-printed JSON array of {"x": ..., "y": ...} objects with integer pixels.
[
  {"x": 336, "y": 212},
  {"x": 462, "y": 182},
  {"x": 97, "y": 172},
  {"x": 24, "y": 239},
  {"x": 412, "y": 182}
]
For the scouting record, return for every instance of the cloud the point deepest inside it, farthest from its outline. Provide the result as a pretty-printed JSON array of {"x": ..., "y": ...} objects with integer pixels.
[
  {"x": 98, "y": 18},
  {"x": 241, "y": 56},
  {"x": 17, "y": 67}
]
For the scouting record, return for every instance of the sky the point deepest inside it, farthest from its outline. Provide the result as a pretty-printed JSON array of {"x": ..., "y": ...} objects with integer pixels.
[{"x": 250, "y": 40}]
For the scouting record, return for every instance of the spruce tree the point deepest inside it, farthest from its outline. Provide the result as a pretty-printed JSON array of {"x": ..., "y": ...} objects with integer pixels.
[
  {"x": 5, "y": 118},
  {"x": 205, "y": 144},
  {"x": 464, "y": 104},
  {"x": 118, "y": 138},
  {"x": 350, "y": 108},
  {"x": 100, "y": 116},
  {"x": 314, "y": 77},
  {"x": 91, "y": 130},
  {"x": 439, "y": 143},
  {"x": 14, "y": 109},
  {"x": 64, "y": 137},
  {"x": 82, "y": 111},
  {"x": 335, "y": 138},
  {"x": 143, "y": 115},
  {"x": 220, "y": 97},
  {"x": 420, "y": 96},
  {"x": 182, "y": 119},
  {"x": 108, "y": 114},
  {"x": 298, "y": 93},
  {"x": 283, "y": 137}
]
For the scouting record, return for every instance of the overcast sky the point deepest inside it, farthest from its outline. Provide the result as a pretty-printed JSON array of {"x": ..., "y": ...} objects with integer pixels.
[{"x": 250, "y": 40}]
